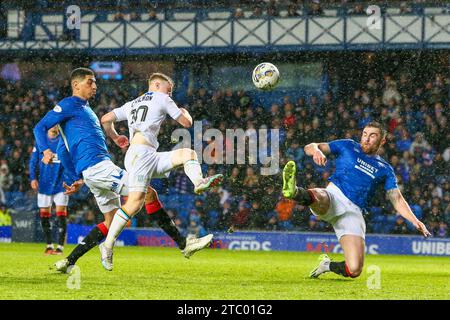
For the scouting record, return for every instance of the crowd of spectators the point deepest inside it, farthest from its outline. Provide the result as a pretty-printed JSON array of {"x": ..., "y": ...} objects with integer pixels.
[{"x": 416, "y": 116}]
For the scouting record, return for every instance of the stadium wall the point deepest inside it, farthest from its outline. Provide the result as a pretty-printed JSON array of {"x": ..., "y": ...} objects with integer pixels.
[
  {"x": 271, "y": 241},
  {"x": 280, "y": 241}
]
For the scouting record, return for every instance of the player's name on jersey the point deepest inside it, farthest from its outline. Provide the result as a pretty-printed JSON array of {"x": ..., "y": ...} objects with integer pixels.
[{"x": 145, "y": 97}]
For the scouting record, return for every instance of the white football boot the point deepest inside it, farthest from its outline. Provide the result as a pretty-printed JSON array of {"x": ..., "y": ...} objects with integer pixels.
[
  {"x": 208, "y": 183},
  {"x": 106, "y": 256},
  {"x": 323, "y": 267},
  {"x": 63, "y": 266},
  {"x": 194, "y": 244}
]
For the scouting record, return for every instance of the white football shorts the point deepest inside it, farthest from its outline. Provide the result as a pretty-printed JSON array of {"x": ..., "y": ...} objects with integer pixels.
[
  {"x": 107, "y": 182},
  {"x": 143, "y": 163},
  {"x": 345, "y": 216},
  {"x": 46, "y": 201}
]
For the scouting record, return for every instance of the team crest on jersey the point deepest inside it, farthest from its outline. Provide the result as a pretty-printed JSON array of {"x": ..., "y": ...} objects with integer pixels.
[{"x": 57, "y": 108}]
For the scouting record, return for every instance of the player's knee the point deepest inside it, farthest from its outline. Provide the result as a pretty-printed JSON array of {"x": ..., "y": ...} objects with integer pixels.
[
  {"x": 44, "y": 212},
  {"x": 320, "y": 194},
  {"x": 355, "y": 269},
  {"x": 188, "y": 154},
  {"x": 151, "y": 195}
]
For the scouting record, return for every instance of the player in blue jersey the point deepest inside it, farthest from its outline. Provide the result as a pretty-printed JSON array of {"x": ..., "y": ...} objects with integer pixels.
[
  {"x": 47, "y": 180},
  {"x": 84, "y": 155},
  {"x": 359, "y": 170}
]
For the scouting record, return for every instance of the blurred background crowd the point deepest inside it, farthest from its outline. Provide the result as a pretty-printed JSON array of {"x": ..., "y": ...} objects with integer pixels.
[{"x": 415, "y": 113}]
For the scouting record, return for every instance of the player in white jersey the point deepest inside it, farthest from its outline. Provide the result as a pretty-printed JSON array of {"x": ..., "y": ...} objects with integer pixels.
[
  {"x": 105, "y": 180},
  {"x": 145, "y": 115}
]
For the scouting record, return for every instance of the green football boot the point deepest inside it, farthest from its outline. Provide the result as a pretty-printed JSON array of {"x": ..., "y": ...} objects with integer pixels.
[{"x": 289, "y": 181}]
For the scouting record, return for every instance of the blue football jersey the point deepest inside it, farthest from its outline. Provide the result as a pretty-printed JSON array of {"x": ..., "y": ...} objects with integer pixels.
[
  {"x": 80, "y": 130},
  {"x": 49, "y": 176},
  {"x": 357, "y": 174}
]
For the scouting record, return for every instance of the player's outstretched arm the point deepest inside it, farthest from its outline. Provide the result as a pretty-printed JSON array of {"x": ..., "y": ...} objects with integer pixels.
[
  {"x": 185, "y": 118},
  {"x": 402, "y": 207},
  {"x": 108, "y": 125},
  {"x": 318, "y": 151}
]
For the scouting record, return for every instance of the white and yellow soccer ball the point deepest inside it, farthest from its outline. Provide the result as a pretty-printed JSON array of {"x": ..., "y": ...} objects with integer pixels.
[{"x": 265, "y": 76}]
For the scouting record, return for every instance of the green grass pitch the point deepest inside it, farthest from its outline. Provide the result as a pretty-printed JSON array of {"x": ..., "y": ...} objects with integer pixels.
[{"x": 163, "y": 273}]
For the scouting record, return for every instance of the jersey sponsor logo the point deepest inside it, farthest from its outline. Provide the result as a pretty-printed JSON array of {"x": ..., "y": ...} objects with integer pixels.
[
  {"x": 366, "y": 168},
  {"x": 363, "y": 170},
  {"x": 57, "y": 108},
  {"x": 34, "y": 149}
]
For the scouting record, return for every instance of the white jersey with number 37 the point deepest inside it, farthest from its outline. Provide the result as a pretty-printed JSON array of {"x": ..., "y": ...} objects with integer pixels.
[{"x": 146, "y": 113}]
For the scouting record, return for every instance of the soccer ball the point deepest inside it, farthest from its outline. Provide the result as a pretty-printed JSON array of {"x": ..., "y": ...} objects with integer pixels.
[{"x": 265, "y": 76}]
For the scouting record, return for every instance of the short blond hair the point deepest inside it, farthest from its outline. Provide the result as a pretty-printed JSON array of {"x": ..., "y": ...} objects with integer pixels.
[{"x": 160, "y": 76}]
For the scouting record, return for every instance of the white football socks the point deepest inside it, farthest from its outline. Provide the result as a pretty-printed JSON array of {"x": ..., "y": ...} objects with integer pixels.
[
  {"x": 193, "y": 171},
  {"x": 119, "y": 222}
]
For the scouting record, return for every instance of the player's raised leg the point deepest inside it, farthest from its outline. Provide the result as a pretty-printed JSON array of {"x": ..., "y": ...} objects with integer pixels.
[
  {"x": 157, "y": 213},
  {"x": 188, "y": 158},
  {"x": 317, "y": 198}
]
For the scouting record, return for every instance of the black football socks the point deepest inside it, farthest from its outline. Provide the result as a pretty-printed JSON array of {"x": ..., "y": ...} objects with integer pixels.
[
  {"x": 97, "y": 234},
  {"x": 304, "y": 197},
  {"x": 341, "y": 269},
  {"x": 62, "y": 228},
  {"x": 164, "y": 222},
  {"x": 45, "y": 223}
]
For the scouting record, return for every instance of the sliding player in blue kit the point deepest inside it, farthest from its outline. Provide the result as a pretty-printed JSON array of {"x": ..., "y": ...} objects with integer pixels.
[
  {"x": 359, "y": 170},
  {"x": 47, "y": 180},
  {"x": 83, "y": 152}
]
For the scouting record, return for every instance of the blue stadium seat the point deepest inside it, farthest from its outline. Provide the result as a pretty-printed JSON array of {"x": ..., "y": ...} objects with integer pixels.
[
  {"x": 213, "y": 216},
  {"x": 285, "y": 225}
]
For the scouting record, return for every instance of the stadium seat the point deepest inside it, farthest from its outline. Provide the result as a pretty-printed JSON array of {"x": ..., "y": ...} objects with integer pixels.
[
  {"x": 213, "y": 218},
  {"x": 285, "y": 225}
]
